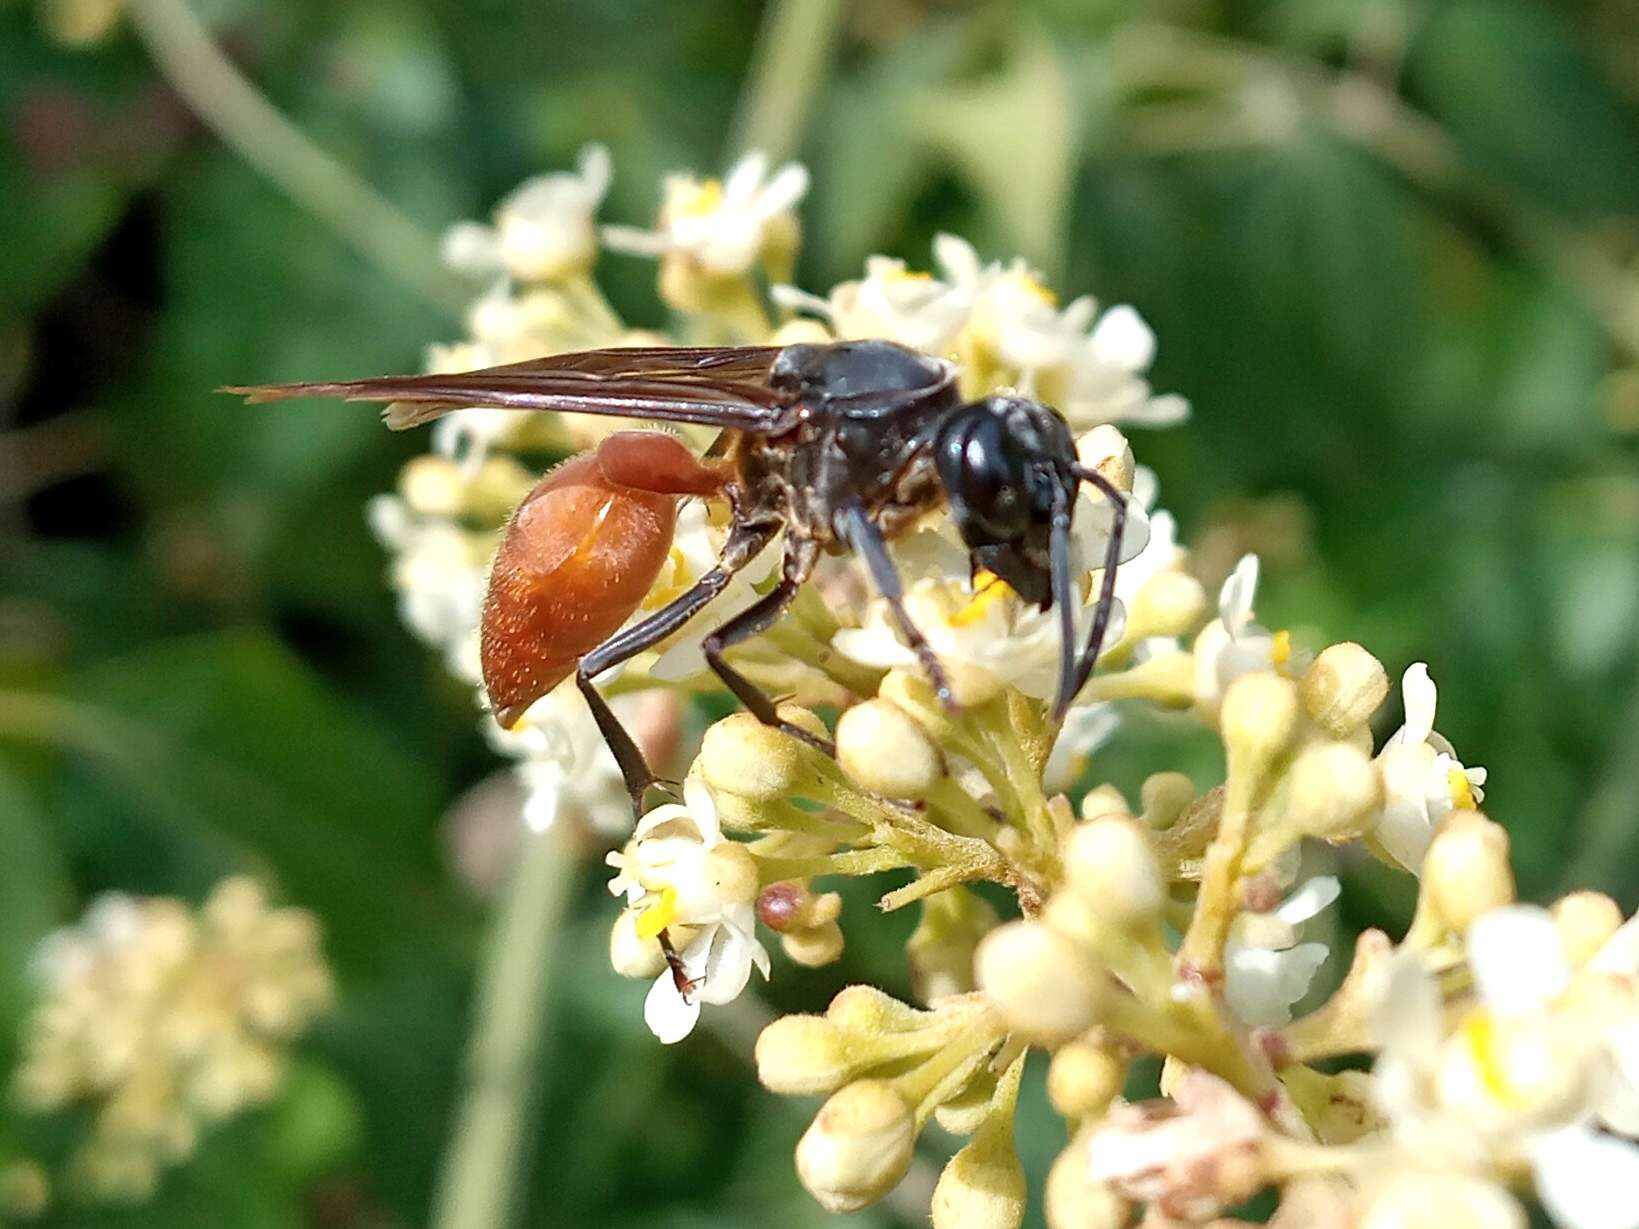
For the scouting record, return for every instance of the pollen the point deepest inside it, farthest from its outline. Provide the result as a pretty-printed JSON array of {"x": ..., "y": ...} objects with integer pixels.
[
  {"x": 658, "y": 914},
  {"x": 1462, "y": 794},
  {"x": 988, "y": 590},
  {"x": 1280, "y": 648},
  {"x": 697, "y": 200}
]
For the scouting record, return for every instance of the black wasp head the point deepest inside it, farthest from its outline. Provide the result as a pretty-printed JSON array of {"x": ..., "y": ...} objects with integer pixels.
[{"x": 1006, "y": 463}]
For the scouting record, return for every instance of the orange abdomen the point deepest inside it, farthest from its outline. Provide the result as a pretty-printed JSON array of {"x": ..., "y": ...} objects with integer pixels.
[{"x": 577, "y": 559}]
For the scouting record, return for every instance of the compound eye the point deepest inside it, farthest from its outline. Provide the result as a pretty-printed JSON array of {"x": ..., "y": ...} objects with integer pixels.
[{"x": 993, "y": 486}]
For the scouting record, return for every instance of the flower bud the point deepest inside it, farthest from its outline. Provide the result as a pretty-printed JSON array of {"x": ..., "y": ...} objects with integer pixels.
[
  {"x": 1466, "y": 870},
  {"x": 1044, "y": 985},
  {"x": 884, "y": 750},
  {"x": 1343, "y": 687},
  {"x": 731, "y": 871},
  {"x": 814, "y": 947},
  {"x": 1104, "y": 799},
  {"x": 1084, "y": 1078},
  {"x": 858, "y": 1146},
  {"x": 630, "y": 954},
  {"x": 1164, "y": 797},
  {"x": 798, "y": 1055},
  {"x": 1423, "y": 1200},
  {"x": 740, "y": 755},
  {"x": 1335, "y": 791},
  {"x": 865, "y": 1009},
  {"x": 1074, "y": 1201},
  {"x": 498, "y": 487},
  {"x": 1110, "y": 864},
  {"x": 982, "y": 1186},
  {"x": 1169, "y": 603},
  {"x": 940, "y": 950},
  {"x": 1258, "y": 719},
  {"x": 433, "y": 485},
  {"x": 1584, "y": 921}
]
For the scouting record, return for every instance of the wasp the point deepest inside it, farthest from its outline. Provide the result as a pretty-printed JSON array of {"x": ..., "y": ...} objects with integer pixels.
[{"x": 838, "y": 446}]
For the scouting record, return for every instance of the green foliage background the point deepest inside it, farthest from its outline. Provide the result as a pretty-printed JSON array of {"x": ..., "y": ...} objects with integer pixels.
[{"x": 1388, "y": 246}]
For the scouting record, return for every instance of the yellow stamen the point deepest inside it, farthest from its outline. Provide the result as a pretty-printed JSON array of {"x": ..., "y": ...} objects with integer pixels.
[
  {"x": 907, "y": 275},
  {"x": 989, "y": 589},
  {"x": 657, "y": 915},
  {"x": 1485, "y": 1050},
  {"x": 1280, "y": 648},
  {"x": 1462, "y": 794},
  {"x": 695, "y": 199}
]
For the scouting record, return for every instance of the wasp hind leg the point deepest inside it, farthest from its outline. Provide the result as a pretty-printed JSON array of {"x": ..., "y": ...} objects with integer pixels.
[
  {"x": 741, "y": 547},
  {"x": 752, "y": 621}
]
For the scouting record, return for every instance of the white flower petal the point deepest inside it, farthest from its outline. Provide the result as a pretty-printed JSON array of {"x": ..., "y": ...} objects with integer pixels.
[
  {"x": 1420, "y": 696},
  {"x": 668, "y": 1014},
  {"x": 1309, "y": 900},
  {"x": 1585, "y": 1179},
  {"x": 1517, "y": 959},
  {"x": 1122, "y": 337}
]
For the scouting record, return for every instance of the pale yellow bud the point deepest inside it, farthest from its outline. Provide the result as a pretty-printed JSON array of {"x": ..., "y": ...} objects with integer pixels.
[
  {"x": 982, "y": 1186},
  {"x": 433, "y": 486},
  {"x": 1104, "y": 799},
  {"x": 630, "y": 954},
  {"x": 731, "y": 870},
  {"x": 1046, "y": 987},
  {"x": 1335, "y": 791},
  {"x": 801, "y": 330},
  {"x": 498, "y": 487},
  {"x": 1074, "y": 1201},
  {"x": 865, "y": 1009},
  {"x": 858, "y": 1146},
  {"x": 1164, "y": 797},
  {"x": 1584, "y": 921},
  {"x": 1343, "y": 687},
  {"x": 1084, "y": 1078},
  {"x": 1106, "y": 449},
  {"x": 1167, "y": 604},
  {"x": 1441, "y": 1201},
  {"x": 1258, "y": 719},
  {"x": 1466, "y": 870},
  {"x": 884, "y": 750},
  {"x": 740, "y": 755},
  {"x": 814, "y": 947},
  {"x": 1111, "y": 865},
  {"x": 797, "y": 1055}
]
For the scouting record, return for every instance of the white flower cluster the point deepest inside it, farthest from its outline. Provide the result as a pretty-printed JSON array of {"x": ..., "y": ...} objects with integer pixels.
[
  {"x": 1179, "y": 923},
  {"x": 160, "y": 1020}
]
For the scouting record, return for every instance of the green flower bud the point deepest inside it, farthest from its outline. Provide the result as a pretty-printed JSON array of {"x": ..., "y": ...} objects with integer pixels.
[
  {"x": 804, "y": 1054},
  {"x": 1335, "y": 792},
  {"x": 740, "y": 755},
  {"x": 1259, "y": 719},
  {"x": 1084, "y": 1078},
  {"x": 1110, "y": 864},
  {"x": 1466, "y": 870}
]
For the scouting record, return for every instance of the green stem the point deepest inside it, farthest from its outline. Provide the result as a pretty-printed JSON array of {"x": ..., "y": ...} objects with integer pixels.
[
  {"x": 790, "y": 63},
  {"x": 479, "y": 1184},
  {"x": 221, "y": 96}
]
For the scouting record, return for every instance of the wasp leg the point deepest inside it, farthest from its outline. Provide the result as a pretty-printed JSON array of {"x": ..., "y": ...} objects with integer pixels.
[
  {"x": 1064, "y": 597},
  {"x": 758, "y": 617},
  {"x": 741, "y": 547},
  {"x": 680, "y": 975},
  {"x": 1106, "y": 590},
  {"x": 866, "y": 541}
]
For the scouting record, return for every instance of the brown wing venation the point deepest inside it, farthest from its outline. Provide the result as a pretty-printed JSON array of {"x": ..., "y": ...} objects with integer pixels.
[{"x": 714, "y": 386}]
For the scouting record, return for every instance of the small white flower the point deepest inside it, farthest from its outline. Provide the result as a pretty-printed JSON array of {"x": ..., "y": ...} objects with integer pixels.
[
  {"x": 1528, "y": 1070},
  {"x": 563, "y": 762},
  {"x": 723, "y": 227},
  {"x": 440, "y": 572},
  {"x": 1266, "y": 969},
  {"x": 1423, "y": 779},
  {"x": 1106, "y": 381},
  {"x": 1233, "y": 644},
  {"x": 893, "y": 303},
  {"x": 665, "y": 873},
  {"x": 983, "y": 633},
  {"x": 544, "y": 231}
]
